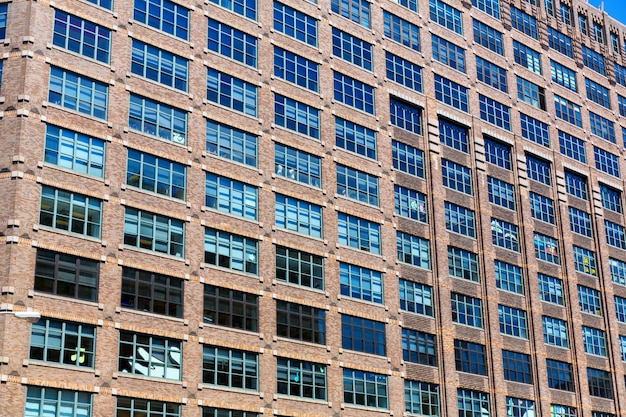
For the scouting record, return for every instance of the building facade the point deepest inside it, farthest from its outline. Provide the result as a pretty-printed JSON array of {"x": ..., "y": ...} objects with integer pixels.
[{"x": 238, "y": 208}]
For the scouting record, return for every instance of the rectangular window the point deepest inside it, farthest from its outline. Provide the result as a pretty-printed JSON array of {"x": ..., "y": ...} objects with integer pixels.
[
  {"x": 66, "y": 275},
  {"x": 512, "y": 321},
  {"x": 620, "y": 308},
  {"x": 622, "y": 347},
  {"x": 560, "y": 42},
  {"x": 230, "y": 251},
  {"x": 516, "y": 367},
  {"x": 296, "y": 116},
  {"x": 357, "y": 185},
  {"x": 550, "y": 7},
  {"x": 611, "y": 198},
  {"x": 583, "y": 24},
  {"x": 523, "y": 22},
  {"x": 409, "y": 4},
  {"x": 491, "y": 7},
  {"x": 508, "y": 277},
  {"x": 594, "y": 341},
  {"x": 501, "y": 193},
  {"x": 405, "y": 116},
  {"x": 598, "y": 32},
  {"x": 363, "y": 335},
  {"x": 615, "y": 43},
  {"x": 504, "y": 234},
  {"x": 154, "y": 174},
  {"x": 615, "y": 234},
  {"x": 296, "y": 69},
  {"x": 157, "y": 119},
  {"x": 152, "y": 292},
  {"x": 494, "y": 112},
  {"x": 407, "y": 159},
  {"x": 546, "y": 248},
  {"x": 72, "y": 212},
  {"x": 416, "y": 298},
  {"x": 421, "y": 398},
  {"x": 3, "y": 20},
  {"x": 576, "y": 185},
  {"x": 470, "y": 357},
  {"x": 1, "y": 64},
  {"x": 563, "y": 76},
  {"x": 355, "y": 138},
  {"x": 487, "y": 36},
  {"x": 519, "y": 407},
  {"x": 223, "y": 412},
  {"x": 297, "y": 165},
  {"x": 527, "y": 57},
  {"x": 593, "y": 60},
  {"x": 360, "y": 283},
  {"x": 131, "y": 407},
  {"x": 352, "y": 49},
  {"x": 618, "y": 271},
  {"x": 453, "y": 135},
  {"x": 600, "y": 384},
  {"x": 246, "y": 8},
  {"x": 358, "y": 233},
  {"x": 356, "y": 10},
  {"x": 463, "y": 264},
  {"x": 163, "y": 15},
  {"x": 231, "y": 308},
  {"x": 456, "y": 176},
  {"x": 75, "y": 151},
  {"x": 542, "y": 208},
  {"x": 78, "y": 93},
  {"x": 230, "y": 368},
  {"x": 419, "y": 347},
  {"x": 550, "y": 289},
  {"x": 602, "y": 127},
  {"x": 572, "y": 147},
  {"x": 353, "y": 93},
  {"x": 559, "y": 375},
  {"x": 300, "y": 379},
  {"x": 299, "y": 268},
  {"x": 555, "y": 332},
  {"x": 159, "y": 65},
  {"x": 151, "y": 356},
  {"x": 535, "y": 130},
  {"x": 401, "y": 31},
  {"x": 606, "y": 161},
  {"x": 568, "y": 111},
  {"x": 232, "y": 43},
  {"x": 557, "y": 410},
  {"x": 154, "y": 232},
  {"x": 48, "y": 401},
  {"x": 531, "y": 93},
  {"x": 460, "y": 220},
  {"x": 294, "y": 23},
  {"x": 621, "y": 105},
  {"x": 413, "y": 250},
  {"x": 585, "y": 261},
  {"x": 403, "y": 72},
  {"x": 300, "y": 322},
  {"x": 589, "y": 300},
  {"x": 298, "y": 216},
  {"x": 234, "y": 93},
  {"x": 62, "y": 342},
  {"x": 231, "y": 144},
  {"x": 466, "y": 310},
  {"x": 230, "y": 196},
  {"x": 620, "y": 74},
  {"x": 565, "y": 14},
  {"x": 448, "y": 53},
  {"x": 472, "y": 403},
  {"x": 78, "y": 35},
  {"x": 365, "y": 389},
  {"x": 446, "y": 15},
  {"x": 597, "y": 93},
  {"x": 580, "y": 222},
  {"x": 491, "y": 74},
  {"x": 538, "y": 170},
  {"x": 451, "y": 93}
]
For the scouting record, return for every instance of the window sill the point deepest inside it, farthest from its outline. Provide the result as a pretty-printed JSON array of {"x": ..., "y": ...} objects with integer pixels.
[
  {"x": 130, "y": 310},
  {"x": 118, "y": 374},
  {"x": 71, "y": 171},
  {"x": 40, "y": 227},
  {"x": 84, "y": 369}
]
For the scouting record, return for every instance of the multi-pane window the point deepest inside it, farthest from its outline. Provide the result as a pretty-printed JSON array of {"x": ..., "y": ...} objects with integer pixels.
[
  {"x": 622, "y": 347},
  {"x": 550, "y": 289},
  {"x": 136, "y": 407},
  {"x": 501, "y": 193},
  {"x": 297, "y": 165},
  {"x": 421, "y": 398},
  {"x": 407, "y": 159},
  {"x": 560, "y": 42},
  {"x": 527, "y": 57},
  {"x": 572, "y": 147},
  {"x": 357, "y": 185},
  {"x": 230, "y": 251},
  {"x": 157, "y": 119},
  {"x": 491, "y": 7},
  {"x": 620, "y": 74},
  {"x": 505, "y": 234},
  {"x": 230, "y": 143},
  {"x": 159, "y": 65},
  {"x": 78, "y": 93},
  {"x": 557, "y": 410},
  {"x": 535, "y": 130},
  {"x": 419, "y": 347},
  {"x": 597, "y": 93},
  {"x": 80, "y": 36},
  {"x": 538, "y": 170},
  {"x": 152, "y": 292},
  {"x": 3, "y": 20},
  {"x": 580, "y": 222},
  {"x": 546, "y": 248},
  {"x": 448, "y": 53},
  {"x": 456, "y": 176},
  {"x": 600, "y": 384},
  {"x": 401, "y": 31},
  {"x": 615, "y": 234},
  {"x": 233, "y": 93},
  {"x": 358, "y": 233},
  {"x": 296, "y": 116},
  {"x": 494, "y": 112},
  {"x": 46, "y": 401},
  {"x": 300, "y": 322},
  {"x": 360, "y": 283},
  {"x": 155, "y": 174},
  {"x": 598, "y": 32},
  {"x": 66, "y": 275},
  {"x": 352, "y": 49},
  {"x": 606, "y": 161},
  {"x": 299, "y": 268},
  {"x": 355, "y": 138},
  {"x": 460, "y": 220},
  {"x": 223, "y": 412},
  {"x": 405, "y": 116},
  {"x": 151, "y": 356},
  {"x": 516, "y": 367},
  {"x": 519, "y": 407},
  {"x": 410, "y": 204},
  {"x": 531, "y": 93},
  {"x": 621, "y": 105},
  {"x": 451, "y": 93},
  {"x": 550, "y": 7},
  {"x": 403, "y": 72},
  {"x": 512, "y": 321},
  {"x": 593, "y": 60},
  {"x": 409, "y": 4},
  {"x": 542, "y": 208},
  {"x": 471, "y": 403},
  {"x": 466, "y": 310},
  {"x": 75, "y": 151},
  {"x": 413, "y": 250},
  {"x": 565, "y": 13},
  {"x": 567, "y": 110},
  {"x": 594, "y": 341},
  {"x": 576, "y": 185},
  {"x": 300, "y": 379},
  {"x": 615, "y": 43},
  {"x": 446, "y": 15},
  {"x": 294, "y": 23},
  {"x": 353, "y": 93},
  {"x": 356, "y": 10},
  {"x": 69, "y": 211},
  {"x": 491, "y": 74},
  {"x": 246, "y": 8},
  {"x": 298, "y": 216},
  {"x": 602, "y": 127},
  {"x": 363, "y": 335},
  {"x": 230, "y": 196},
  {"x": 230, "y": 368},
  {"x": 555, "y": 332},
  {"x": 231, "y": 308},
  {"x": 498, "y": 153},
  {"x": 589, "y": 300},
  {"x": 564, "y": 76},
  {"x": 487, "y": 36},
  {"x": 163, "y": 15},
  {"x": 618, "y": 271},
  {"x": 585, "y": 261},
  {"x": 523, "y": 22},
  {"x": 232, "y": 43},
  {"x": 620, "y": 308},
  {"x": 295, "y": 69},
  {"x": 416, "y": 298},
  {"x": 365, "y": 389},
  {"x": 62, "y": 342},
  {"x": 559, "y": 375},
  {"x": 463, "y": 264},
  {"x": 611, "y": 198},
  {"x": 508, "y": 277},
  {"x": 145, "y": 230},
  {"x": 470, "y": 357},
  {"x": 453, "y": 135}
]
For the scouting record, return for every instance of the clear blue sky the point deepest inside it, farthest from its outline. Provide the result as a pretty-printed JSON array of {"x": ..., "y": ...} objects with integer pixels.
[{"x": 615, "y": 8}]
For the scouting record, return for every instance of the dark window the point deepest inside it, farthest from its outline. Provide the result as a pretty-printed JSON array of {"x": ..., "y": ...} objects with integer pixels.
[
  {"x": 470, "y": 357},
  {"x": 599, "y": 383},
  {"x": 155, "y": 293},
  {"x": 230, "y": 308},
  {"x": 300, "y": 322},
  {"x": 559, "y": 375},
  {"x": 230, "y": 368},
  {"x": 301, "y": 379},
  {"x": 223, "y": 412},
  {"x": 419, "y": 347},
  {"x": 62, "y": 342},
  {"x": 363, "y": 335},
  {"x": 516, "y": 367},
  {"x": 299, "y": 268},
  {"x": 66, "y": 275}
]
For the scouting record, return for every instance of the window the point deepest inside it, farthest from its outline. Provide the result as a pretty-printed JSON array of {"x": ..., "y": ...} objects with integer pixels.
[
  {"x": 546, "y": 248},
  {"x": 466, "y": 310},
  {"x": 453, "y": 135},
  {"x": 535, "y": 130},
  {"x": 594, "y": 340},
  {"x": 560, "y": 42},
  {"x": 568, "y": 111},
  {"x": 566, "y": 14},
  {"x": 413, "y": 250},
  {"x": 448, "y": 53},
  {"x": 580, "y": 222},
  {"x": 491, "y": 74},
  {"x": 550, "y": 9},
  {"x": 602, "y": 127},
  {"x": 155, "y": 174},
  {"x": 460, "y": 220},
  {"x": 550, "y": 289},
  {"x": 516, "y": 367},
  {"x": 576, "y": 185},
  {"x": 523, "y": 22},
  {"x": 498, "y": 153},
  {"x": 163, "y": 15},
  {"x": 557, "y": 410},
  {"x": 451, "y": 93},
  {"x": 585, "y": 261},
  {"x": 542, "y": 208},
  {"x": 299, "y": 268},
  {"x": 405, "y": 116},
  {"x": 407, "y": 159},
  {"x": 494, "y": 112},
  {"x": 360, "y": 283},
  {"x": 598, "y": 93},
  {"x": 245, "y": 8},
  {"x": 294, "y": 23},
  {"x": 611, "y": 198},
  {"x": 508, "y": 277},
  {"x": 446, "y": 15},
  {"x": 62, "y": 342},
  {"x": 620, "y": 308},
  {"x": 559, "y": 375},
  {"x": 75, "y": 151},
  {"x": 620, "y": 74},
  {"x": 421, "y": 398},
  {"x": 606, "y": 161},
  {"x": 519, "y": 407},
  {"x": 78, "y": 93},
  {"x": 409, "y": 4},
  {"x": 300, "y": 322},
  {"x": 356, "y": 10},
  {"x": 512, "y": 321},
  {"x": 233, "y": 93},
  {"x": 600, "y": 384},
  {"x": 152, "y": 356},
  {"x": 501, "y": 193},
  {"x": 357, "y": 185},
  {"x": 358, "y": 233},
  {"x": 615, "y": 234},
  {"x": 531, "y": 93},
  {"x": 618, "y": 271},
  {"x": 154, "y": 232},
  {"x": 572, "y": 147},
  {"x": 3, "y": 20},
  {"x": 563, "y": 76},
  {"x": 296, "y": 116},
  {"x": 456, "y": 176},
  {"x": 589, "y": 300},
  {"x": 230, "y": 368},
  {"x": 472, "y": 403},
  {"x": 298, "y": 216},
  {"x": 463, "y": 264},
  {"x": 223, "y": 412},
  {"x": 416, "y": 298},
  {"x": 615, "y": 44},
  {"x": 598, "y": 32},
  {"x": 354, "y": 93},
  {"x": 352, "y": 49},
  {"x": 300, "y": 379},
  {"x": 152, "y": 292},
  {"x": 77, "y": 35},
  {"x": 55, "y": 402},
  {"x": 403, "y": 72},
  {"x": 538, "y": 170},
  {"x": 230, "y": 143},
  {"x": 419, "y": 347},
  {"x": 1, "y": 64},
  {"x": 622, "y": 347},
  {"x": 159, "y": 65},
  {"x": 297, "y": 165},
  {"x": 583, "y": 24},
  {"x": 232, "y": 43},
  {"x": 527, "y": 57},
  {"x": 363, "y": 335},
  {"x": 504, "y": 234},
  {"x": 487, "y": 36},
  {"x": 157, "y": 119},
  {"x": 231, "y": 308},
  {"x": 621, "y": 105},
  {"x": 491, "y": 7},
  {"x": 355, "y": 138},
  {"x": 401, "y": 31},
  {"x": 230, "y": 251},
  {"x": 66, "y": 275},
  {"x": 410, "y": 204},
  {"x": 554, "y": 332},
  {"x": 470, "y": 357},
  {"x": 593, "y": 60},
  {"x": 231, "y": 196},
  {"x": 295, "y": 69},
  {"x": 68, "y": 211},
  {"x": 365, "y": 389}
]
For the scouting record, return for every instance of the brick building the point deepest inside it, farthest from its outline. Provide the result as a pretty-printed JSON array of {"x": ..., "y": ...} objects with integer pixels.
[{"x": 245, "y": 208}]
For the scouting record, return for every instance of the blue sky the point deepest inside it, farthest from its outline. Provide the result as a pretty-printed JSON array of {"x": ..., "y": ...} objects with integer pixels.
[{"x": 615, "y": 8}]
